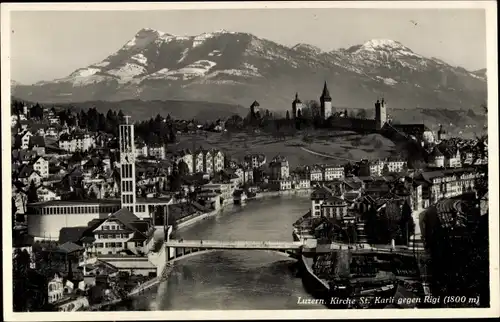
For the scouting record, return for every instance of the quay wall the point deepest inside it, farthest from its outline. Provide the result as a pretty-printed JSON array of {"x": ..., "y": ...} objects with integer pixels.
[
  {"x": 312, "y": 283},
  {"x": 296, "y": 192}
]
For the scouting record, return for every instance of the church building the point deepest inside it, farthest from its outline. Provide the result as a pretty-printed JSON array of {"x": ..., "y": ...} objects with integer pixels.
[
  {"x": 326, "y": 103},
  {"x": 297, "y": 107}
]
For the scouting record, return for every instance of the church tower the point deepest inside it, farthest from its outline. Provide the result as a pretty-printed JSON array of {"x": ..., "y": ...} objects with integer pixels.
[
  {"x": 127, "y": 165},
  {"x": 326, "y": 103},
  {"x": 296, "y": 106},
  {"x": 380, "y": 114}
]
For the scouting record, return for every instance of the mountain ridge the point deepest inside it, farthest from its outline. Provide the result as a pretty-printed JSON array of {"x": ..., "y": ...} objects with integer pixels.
[{"x": 237, "y": 68}]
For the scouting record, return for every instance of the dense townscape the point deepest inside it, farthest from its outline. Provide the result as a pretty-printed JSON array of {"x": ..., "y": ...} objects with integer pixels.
[{"x": 95, "y": 195}]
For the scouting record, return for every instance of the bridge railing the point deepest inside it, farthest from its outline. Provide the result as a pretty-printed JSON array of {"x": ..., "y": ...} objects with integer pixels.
[{"x": 237, "y": 243}]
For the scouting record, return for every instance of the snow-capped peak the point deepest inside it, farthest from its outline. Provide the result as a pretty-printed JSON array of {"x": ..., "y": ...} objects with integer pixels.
[{"x": 382, "y": 44}]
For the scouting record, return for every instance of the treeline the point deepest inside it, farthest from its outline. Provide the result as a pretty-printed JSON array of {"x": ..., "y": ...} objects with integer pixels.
[{"x": 157, "y": 130}]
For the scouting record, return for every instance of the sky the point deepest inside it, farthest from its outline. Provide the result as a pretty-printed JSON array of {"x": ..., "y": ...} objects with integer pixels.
[{"x": 46, "y": 45}]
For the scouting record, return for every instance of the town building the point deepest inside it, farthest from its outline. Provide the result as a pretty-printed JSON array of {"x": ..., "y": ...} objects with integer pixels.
[
  {"x": 141, "y": 150},
  {"x": 318, "y": 197},
  {"x": 199, "y": 162},
  {"x": 436, "y": 158},
  {"x": 218, "y": 162},
  {"x": 28, "y": 175},
  {"x": 23, "y": 140},
  {"x": 76, "y": 142},
  {"x": 334, "y": 207},
  {"x": 157, "y": 151},
  {"x": 332, "y": 172},
  {"x": 255, "y": 160},
  {"x": 41, "y": 165},
  {"x": 279, "y": 168},
  {"x": 316, "y": 173},
  {"x": 37, "y": 144},
  {"x": 448, "y": 183},
  {"x": 326, "y": 108},
  {"x": 121, "y": 232},
  {"x": 380, "y": 114},
  {"x": 297, "y": 107}
]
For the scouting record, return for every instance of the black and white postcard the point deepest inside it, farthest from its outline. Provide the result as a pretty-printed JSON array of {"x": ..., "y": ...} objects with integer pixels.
[{"x": 225, "y": 160}]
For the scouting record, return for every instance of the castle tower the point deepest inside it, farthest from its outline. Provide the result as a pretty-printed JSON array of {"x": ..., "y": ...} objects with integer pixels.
[
  {"x": 296, "y": 106},
  {"x": 380, "y": 114},
  {"x": 127, "y": 165},
  {"x": 326, "y": 103}
]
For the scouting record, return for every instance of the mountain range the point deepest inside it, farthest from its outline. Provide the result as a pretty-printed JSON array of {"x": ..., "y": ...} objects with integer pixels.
[{"x": 238, "y": 68}]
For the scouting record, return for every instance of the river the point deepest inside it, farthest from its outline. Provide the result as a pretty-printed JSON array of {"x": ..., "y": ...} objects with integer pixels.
[{"x": 236, "y": 280}]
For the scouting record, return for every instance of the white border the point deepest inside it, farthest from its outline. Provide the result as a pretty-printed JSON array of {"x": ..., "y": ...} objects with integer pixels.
[{"x": 492, "y": 67}]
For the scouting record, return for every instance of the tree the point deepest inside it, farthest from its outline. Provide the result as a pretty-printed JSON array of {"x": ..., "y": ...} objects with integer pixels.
[
  {"x": 385, "y": 170},
  {"x": 393, "y": 219},
  {"x": 183, "y": 168},
  {"x": 92, "y": 195},
  {"x": 405, "y": 166},
  {"x": 121, "y": 117},
  {"x": 407, "y": 225},
  {"x": 361, "y": 113},
  {"x": 32, "y": 193}
]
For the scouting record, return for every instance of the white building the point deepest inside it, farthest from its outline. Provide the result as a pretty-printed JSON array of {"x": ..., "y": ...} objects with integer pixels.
[
  {"x": 302, "y": 183},
  {"x": 395, "y": 165},
  {"x": 76, "y": 142},
  {"x": 55, "y": 289},
  {"x": 41, "y": 165},
  {"x": 218, "y": 160},
  {"x": 141, "y": 150},
  {"x": 255, "y": 160},
  {"x": 25, "y": 139},
  {"x": 47, "y": 194},
  {"x": 333, "y": 172},
  {"x": 452, "y": 159},
  {"x": 436, "y": 158},
  {"x": 121, "y": 231},
  {"x": 157, "y": 151},
  {"x": 318, "y": 197},
  {"x": 316, "y": 173}
]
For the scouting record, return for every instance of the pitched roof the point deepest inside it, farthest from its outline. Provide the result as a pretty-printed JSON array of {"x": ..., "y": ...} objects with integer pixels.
[
  {"x": 37, "y": 141},
  {"x": 71, "y": 234},
  {"x": 25, "y": 171},
  {"x": 125, "y": 217},
  {"x": 70, "y": 247},
  {"x": 325, "y": 95},
  {"x": 322, "y": 192}
]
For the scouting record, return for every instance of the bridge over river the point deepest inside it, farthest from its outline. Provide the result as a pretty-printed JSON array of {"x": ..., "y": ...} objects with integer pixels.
[{"x": 181, "y": 248}]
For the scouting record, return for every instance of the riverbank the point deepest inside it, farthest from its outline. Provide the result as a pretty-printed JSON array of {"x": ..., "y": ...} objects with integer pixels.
[
  {"x": 192, "y": 219},
  {"x": 296, "y": 192}
]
